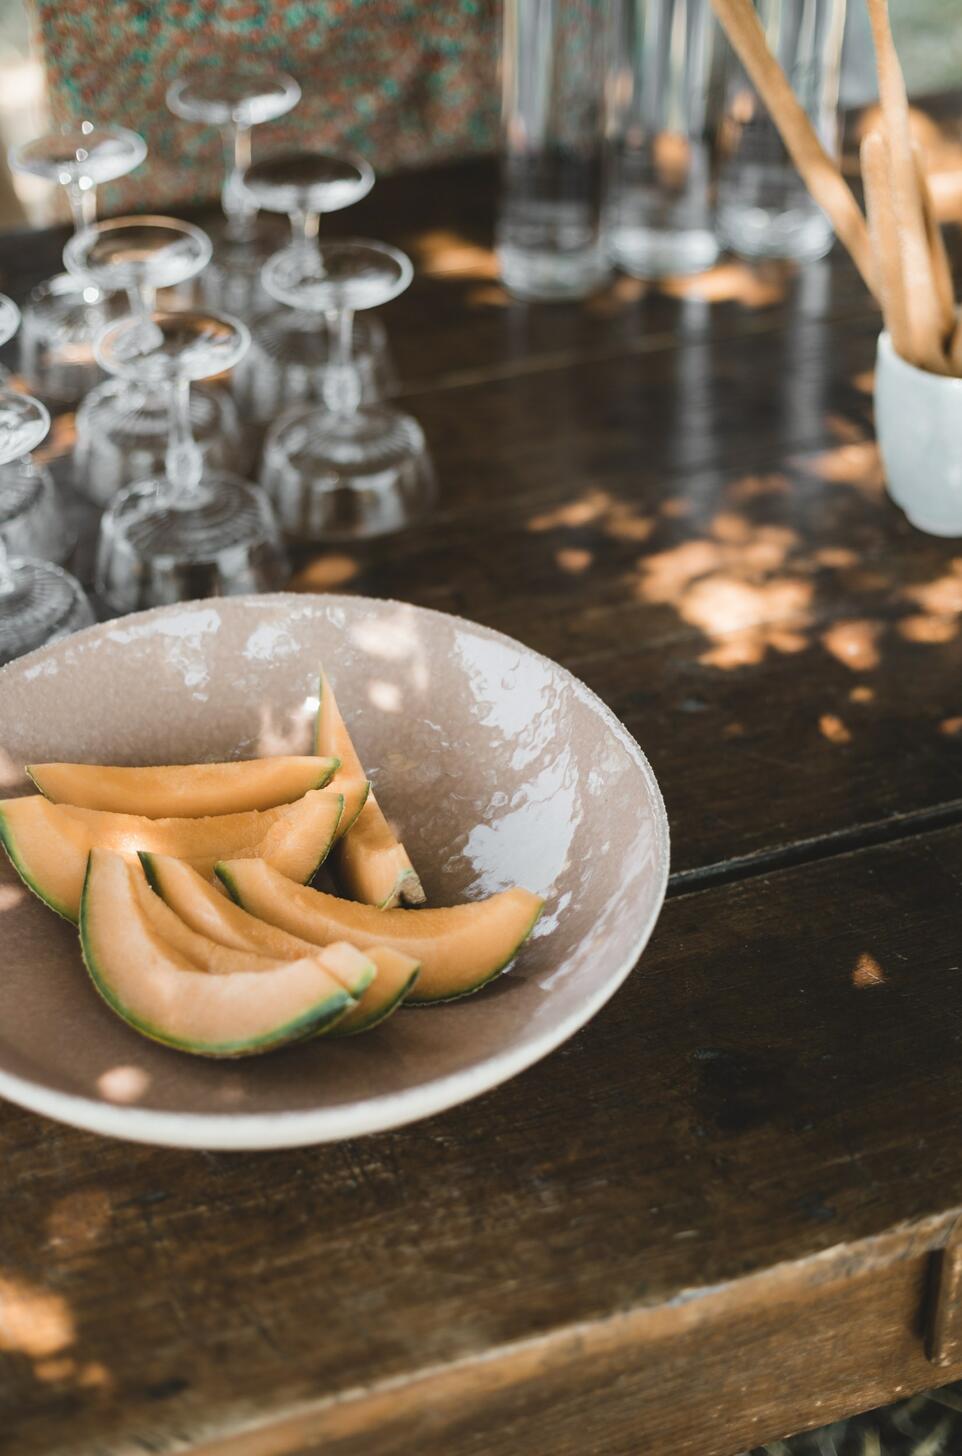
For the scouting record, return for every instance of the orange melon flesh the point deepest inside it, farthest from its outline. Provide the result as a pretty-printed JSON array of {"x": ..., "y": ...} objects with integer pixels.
[
  {"x": 396, "y": 975},
  {"x": 356, "y": 793},
  {"x": 158, "y": 991},
  {"x": 49, "y": 843},
  {"x": 214, "y": 917},
  {"x": 186, "y": 791},
  {"x": 459, "y": 947},
  {"x": 371, "y": 863}
]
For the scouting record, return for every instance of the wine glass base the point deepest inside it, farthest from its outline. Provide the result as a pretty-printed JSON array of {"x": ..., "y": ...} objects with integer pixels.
[
  {"x": 42, "y": 604},
  {"x": 155, "y": 548},
  {"x": 61, "y": 322},
  {"x": 31, "y": 517},
  {"x": 232, "y": 279},
  {"x": 122, "y": 431},
  {"x": 347, "y": 476}
]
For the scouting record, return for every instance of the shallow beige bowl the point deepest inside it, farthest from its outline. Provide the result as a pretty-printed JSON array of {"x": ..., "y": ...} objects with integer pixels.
[{"x": 499, "y": 767}]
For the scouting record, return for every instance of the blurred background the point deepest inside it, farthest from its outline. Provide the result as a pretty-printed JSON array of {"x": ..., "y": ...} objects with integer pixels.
[{"x": 402, "y": 80}]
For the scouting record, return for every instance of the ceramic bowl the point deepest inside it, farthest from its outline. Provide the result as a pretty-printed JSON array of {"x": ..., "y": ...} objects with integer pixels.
[{"x": 498, "y": 766}]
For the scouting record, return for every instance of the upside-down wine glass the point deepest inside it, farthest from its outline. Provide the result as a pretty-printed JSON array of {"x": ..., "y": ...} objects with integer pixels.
[
  {"x": 62, "y": 318},
  {"x": 38, "y": 601},
  {"x": 234, "y": 95},
  {"x": 351, "y": 469},
  {"x": 290, "y": 353},
  {"x": 31, "y": 520},
  {"x": 122, "y": 425},
  {"x": 192, "y": 531}
]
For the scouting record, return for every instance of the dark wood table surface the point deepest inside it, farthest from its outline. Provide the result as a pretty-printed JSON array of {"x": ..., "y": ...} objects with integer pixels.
[{"x": 719, "y": 1213}]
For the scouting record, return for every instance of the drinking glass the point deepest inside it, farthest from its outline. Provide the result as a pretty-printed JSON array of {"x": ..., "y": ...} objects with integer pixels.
[
  {"x": 659, "y": 210},
  {"x": 550, "y": 234},
  {"x": 38, "y": 601},
  {"x": 235, "y": 96},
  {"x": 122, "y": 424},
  {"x": 62, "y": 318},
  {"x": 291, "y": 352},
  {"x": 764, "y": 208},
  {"x": 192, "y": 531},
  {"x": 348, "y": 469},
  {"x": 31, "y": 521}
]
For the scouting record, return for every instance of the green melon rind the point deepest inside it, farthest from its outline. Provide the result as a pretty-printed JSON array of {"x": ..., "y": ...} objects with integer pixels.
[
  {"x": 343, "y": 829},
  {"x": 224, "y": 875},
  {"x": 329, "y": 845},
  {"x": 381, "y": 1014},
  {"x": 8, "y": 840},
  {"x": 311, "y": 1024}
]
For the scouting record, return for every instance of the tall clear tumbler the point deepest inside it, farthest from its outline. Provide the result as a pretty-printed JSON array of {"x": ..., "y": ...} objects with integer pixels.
[
  {"x": 764, "y": 209},
  {"x": 664, "y": 94},
  {"x": 550, "y": 225}
]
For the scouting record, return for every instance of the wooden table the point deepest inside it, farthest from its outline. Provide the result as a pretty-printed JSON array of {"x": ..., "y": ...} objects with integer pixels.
[{"x": 717, "y": 1215}]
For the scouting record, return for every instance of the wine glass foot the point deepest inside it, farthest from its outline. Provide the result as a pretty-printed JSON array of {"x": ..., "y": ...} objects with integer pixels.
[
  {"x": 39, "y": 603},
  {"x": 347, "y": 476},
  {"x": 156, "y": 548}
]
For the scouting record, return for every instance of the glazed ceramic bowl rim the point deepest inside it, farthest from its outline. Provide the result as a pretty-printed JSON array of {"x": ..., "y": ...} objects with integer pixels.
[{"x": 232, "y": 1131}]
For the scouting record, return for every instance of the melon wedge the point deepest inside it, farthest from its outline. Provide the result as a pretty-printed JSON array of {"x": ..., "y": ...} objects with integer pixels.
[
  {"x": 354, "y": 970},
  {"x": 49, "y": 843},
  {"x": 355, "y": 791},
  {"x": 396, "y": 975},
  {"x": 371, "y": 863},
  {"x": 459, "y": 947},
  {"x": 158, "y": 991},
  {"x": 187, "y": 791},
  {"x": 214, "y": 917}
]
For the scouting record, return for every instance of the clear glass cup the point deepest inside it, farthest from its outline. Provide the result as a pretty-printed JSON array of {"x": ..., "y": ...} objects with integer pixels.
[
  {"x": 31, "y": 520},
  {"x": 348, "y": 469},
  {"x": 234, "y": 95},
  {"x": 63, "y": 317},
  {"x": 550, "y": 229},
  {"x": 660, "y": 207},
  {"x": 291, "y": 352},
  {"x": 38, "y": 601},
  {"x": 122, "y": 425},
  {"x": 764, "y": 208},
  {"x": 192, "y": 531}
]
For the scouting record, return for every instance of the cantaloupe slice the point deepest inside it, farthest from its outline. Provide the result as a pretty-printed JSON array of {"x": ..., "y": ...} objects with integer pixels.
[
  {"x": 158, "y": 991},
  {"x": 351, "y": 967},
  {"x": 459, "y": 947},
  {"x": 355, "y": 791},
  {"x": 394, "y": 982},
  {"x": 185, "y": 791},
  {"x": 209, "y": 912},
  {"x": 370, "y": 864},
  {"x": 49, "y": 843}
]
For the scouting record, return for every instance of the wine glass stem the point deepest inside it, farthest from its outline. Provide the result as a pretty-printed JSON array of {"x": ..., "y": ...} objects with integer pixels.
[
  {"x": 142, "y": 298},
  {"x": 238, "y": 208},
  {"x": 185, "y": 462},
  {"x": 8, "y": 583},
  {"x": 304, "y": 226},
  {"x": 83, "y": 205},
  {"x": 342, "y": 387}
]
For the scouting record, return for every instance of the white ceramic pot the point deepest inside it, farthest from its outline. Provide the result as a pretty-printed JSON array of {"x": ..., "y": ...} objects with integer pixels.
[{"x": 918, "y": 421}]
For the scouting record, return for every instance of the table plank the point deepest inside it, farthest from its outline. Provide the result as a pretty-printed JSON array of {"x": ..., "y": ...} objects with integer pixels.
[{"x": 771, "y": 1095}]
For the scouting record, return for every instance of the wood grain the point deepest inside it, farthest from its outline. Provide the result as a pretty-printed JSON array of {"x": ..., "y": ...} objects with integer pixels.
[{"x": 763, "y": 1118}]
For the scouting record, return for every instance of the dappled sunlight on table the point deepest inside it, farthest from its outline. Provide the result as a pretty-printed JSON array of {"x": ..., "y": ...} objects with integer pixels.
[{"x": 867, "y": 972}]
